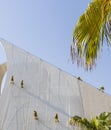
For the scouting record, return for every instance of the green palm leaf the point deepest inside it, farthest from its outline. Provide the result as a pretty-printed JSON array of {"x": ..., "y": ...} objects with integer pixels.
[
  {"x": 101, "y": 122},
  {"x": 90, "y": 31}
]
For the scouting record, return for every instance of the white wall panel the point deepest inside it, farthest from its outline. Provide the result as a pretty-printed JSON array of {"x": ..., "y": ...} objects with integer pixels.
[
  {"x": 47, "y": 89},
  {"x": 94, "y": 101}
]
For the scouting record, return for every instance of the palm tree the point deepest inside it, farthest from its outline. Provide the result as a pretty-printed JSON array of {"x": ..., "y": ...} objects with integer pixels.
[
  {"x": 92, "y": 28},
  {"x": 101, "y": 122}
]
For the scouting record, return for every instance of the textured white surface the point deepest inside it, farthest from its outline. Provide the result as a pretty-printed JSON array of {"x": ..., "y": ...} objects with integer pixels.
[
  {"x": 94, "y": 101},
  {"x": 48, "y": 90}
]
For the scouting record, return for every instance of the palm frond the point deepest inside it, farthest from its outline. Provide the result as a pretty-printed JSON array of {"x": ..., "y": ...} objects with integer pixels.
[
  {"x": 101, "y": 122},
  {"x": 90, "y": 31}
]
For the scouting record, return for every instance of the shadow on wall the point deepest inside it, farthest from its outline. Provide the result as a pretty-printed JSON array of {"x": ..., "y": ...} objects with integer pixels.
[{"x": 3, "y": 67}]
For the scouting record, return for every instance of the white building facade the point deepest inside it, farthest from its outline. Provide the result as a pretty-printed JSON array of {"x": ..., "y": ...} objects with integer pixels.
[{"x": 34, "y": 85}]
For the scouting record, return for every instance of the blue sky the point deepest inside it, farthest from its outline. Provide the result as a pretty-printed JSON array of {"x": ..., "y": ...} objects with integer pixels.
[{"x": 44, "y": 28}]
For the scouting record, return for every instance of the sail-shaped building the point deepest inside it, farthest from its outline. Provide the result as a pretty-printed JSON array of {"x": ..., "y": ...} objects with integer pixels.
[{"x": 39, "y": 96}]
